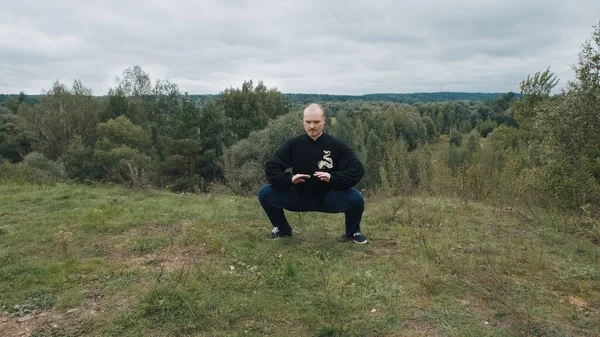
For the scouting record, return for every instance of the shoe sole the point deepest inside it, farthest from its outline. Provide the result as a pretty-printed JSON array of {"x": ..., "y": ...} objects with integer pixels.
[{"x": 360, "y": 243}]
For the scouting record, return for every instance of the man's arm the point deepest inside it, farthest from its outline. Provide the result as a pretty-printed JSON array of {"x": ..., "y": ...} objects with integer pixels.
[
  {"x": 275, "y": 168},
  {"x": 350, "y": 172}
]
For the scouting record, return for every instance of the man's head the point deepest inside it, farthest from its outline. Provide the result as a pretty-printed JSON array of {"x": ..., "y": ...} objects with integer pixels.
[{"x": 314, "y": 120}]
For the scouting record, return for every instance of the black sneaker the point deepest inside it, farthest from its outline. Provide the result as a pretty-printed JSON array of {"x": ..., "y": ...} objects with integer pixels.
[
  {"x": 359, "y": 238},
  {"x": 276, "y": 233}
]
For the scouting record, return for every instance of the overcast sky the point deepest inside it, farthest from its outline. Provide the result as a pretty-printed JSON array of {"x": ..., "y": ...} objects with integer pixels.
[{"x": 304, "y": 46}]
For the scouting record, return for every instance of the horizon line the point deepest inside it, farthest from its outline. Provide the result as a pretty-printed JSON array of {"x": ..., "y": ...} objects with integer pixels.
[{"x": 310, "y": 93}]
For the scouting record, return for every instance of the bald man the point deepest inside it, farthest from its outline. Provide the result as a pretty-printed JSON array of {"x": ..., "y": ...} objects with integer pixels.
[{"x": 324, "y": 171}]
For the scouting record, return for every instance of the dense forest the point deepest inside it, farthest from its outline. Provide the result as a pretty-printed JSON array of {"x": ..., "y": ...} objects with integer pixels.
[
  {"x": 150, "y": 133},
  {"x": 534, "y": 146},
  {"x": 299, "y": 100}
]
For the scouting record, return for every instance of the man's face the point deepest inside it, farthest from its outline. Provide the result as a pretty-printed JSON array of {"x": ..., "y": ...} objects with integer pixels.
[{"x": 314, "y": 121}]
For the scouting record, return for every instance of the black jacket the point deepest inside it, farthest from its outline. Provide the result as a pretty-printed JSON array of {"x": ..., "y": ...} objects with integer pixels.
[{"x": 306, "y": 156}]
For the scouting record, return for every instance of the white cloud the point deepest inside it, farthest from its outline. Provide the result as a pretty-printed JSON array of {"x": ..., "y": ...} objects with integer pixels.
[{"x": 299, "y": 46}]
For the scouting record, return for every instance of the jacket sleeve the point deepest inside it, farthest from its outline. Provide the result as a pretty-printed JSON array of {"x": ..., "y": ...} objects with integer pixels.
[
  {"x": 350, "y": 172},
  {"x": 276, "y": 166}
]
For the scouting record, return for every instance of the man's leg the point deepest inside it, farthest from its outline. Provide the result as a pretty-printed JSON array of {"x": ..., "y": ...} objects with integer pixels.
[
  {"x": 274, "y": 201},
  {"x": 350, "y": 202}
]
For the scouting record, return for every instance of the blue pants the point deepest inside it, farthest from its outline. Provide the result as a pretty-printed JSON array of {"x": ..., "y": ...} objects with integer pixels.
[{"x": 274, "y": 201}]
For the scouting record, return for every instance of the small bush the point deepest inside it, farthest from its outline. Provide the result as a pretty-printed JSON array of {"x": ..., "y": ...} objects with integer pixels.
[
  {"x": 39, "y": 161},
  {"x": 243, "y": 163},
  {"x": 80, "y": 164},
  {"x": 25, "y": 174},
  {"x": 456, "y": 137}
]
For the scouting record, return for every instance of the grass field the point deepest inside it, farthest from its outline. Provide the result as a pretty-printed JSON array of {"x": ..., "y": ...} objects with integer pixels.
[{"x": 91, "y": 261}]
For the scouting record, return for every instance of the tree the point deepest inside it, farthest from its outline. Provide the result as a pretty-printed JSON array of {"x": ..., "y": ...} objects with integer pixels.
[
  {"x": 374, "y": 158},
  {"x": 144, "y": 103},
  {"x": 14, "y": 143},
  {"x": 534, "y": 91},
  {"x": 195, "y": 141},
  {"x": 116, "y": 105},
  {"x": 562, "y": 132},
  {"x": 432, "y": 134},
  {"x": 123, "y": 151},
  {"x": 251, "y": 108},
  {"x": 243, "y": 162},
  {"x": 344, "y": 130},
  {"x": 359, "y": 132},
  {"x": 486, "y": 127},
  {"x": 393, "y": 170},
  {"x": 215, "y": 133},
  {"x": 80, "y": 163},
  {"x": 62, "y": 114},
  {"x": 183, "y": 148},
  {"x": 456, "y": 137}
]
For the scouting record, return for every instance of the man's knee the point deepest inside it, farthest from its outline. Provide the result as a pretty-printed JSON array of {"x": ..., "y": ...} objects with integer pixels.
[
  {"x": 264, "y": 192},
  {"x": 356, "y": 199}
]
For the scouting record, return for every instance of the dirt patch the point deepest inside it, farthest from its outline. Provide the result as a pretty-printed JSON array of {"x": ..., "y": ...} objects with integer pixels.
[
  {"x": 168, "y": 259},
  {"x": 385, "y": 242},
  {"x": 419, "y": 329},
  {"x": 9, "y": 327},
  {"x": 154, "y": 227},
  {"x": 578, "y": 302},
  {"x": 176, "y": 257},
  {"x": 26, "y": 325},
  {"x": 91, "y": 305}
]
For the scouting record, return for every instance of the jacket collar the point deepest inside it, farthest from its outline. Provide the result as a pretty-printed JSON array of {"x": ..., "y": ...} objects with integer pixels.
[{"x": 318, "y": 140}]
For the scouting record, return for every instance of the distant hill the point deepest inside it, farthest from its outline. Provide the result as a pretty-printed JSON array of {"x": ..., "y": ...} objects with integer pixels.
[
  {"x": 31, "y": 99},
  {"x": 302, "y": 99},
  {"x": 412, "y": 98}
]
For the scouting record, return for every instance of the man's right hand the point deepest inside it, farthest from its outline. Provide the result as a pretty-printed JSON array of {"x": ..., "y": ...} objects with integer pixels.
[{"x": 299, "y": 178}]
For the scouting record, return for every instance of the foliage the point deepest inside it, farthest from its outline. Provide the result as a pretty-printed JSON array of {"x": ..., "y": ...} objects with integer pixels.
[
  {"x": 300, "y": 100},
  {"x": 62, "y": 114},
  {"x": 456, "y": 137},
  {"x": 250, "y": 108},
  {"x": 487, "y": 127},
  {"x": 80, "y": 163},
  {"x": 374, "y": 157},
  {"x": 563, "y": 132},
  {"x": 122, "y": 151},
  {"x": 22, "y": 173},
  {"x": 243, "y": 163},
  {"x": 14, "y": 143},
  {"x": 38, "y": 161},
  {"x": 394, "y": 171}
]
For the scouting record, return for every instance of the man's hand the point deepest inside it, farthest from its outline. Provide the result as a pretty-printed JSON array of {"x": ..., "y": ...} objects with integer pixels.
[
  {"x": 323, "y": 176},
  {"x": 299, "y": 178}
]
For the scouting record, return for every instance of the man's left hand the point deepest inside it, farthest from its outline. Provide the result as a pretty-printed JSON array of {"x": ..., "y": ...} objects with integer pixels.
[{"x": 323, "y": 176}]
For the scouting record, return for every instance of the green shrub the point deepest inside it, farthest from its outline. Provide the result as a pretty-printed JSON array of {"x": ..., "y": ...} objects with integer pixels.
[
  {"x": 35, "y": 168},
  {"x": 39, "y": 161},
  {"x": 243, "y": 163},
  {"x": 456, "y": 137}
]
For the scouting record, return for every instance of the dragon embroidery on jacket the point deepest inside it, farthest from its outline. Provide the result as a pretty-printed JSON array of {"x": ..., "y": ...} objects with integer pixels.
[{"x": 326, "y": 162}]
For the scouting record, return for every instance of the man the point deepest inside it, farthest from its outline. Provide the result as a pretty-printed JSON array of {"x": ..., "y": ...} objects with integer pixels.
[{"x": 324, "y": 171}]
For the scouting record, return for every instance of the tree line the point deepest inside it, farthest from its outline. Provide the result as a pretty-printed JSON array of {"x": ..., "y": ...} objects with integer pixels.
[{"x": 145, "y": 132}]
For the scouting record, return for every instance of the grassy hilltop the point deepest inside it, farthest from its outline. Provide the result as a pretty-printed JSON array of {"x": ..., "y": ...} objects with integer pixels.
[{"x": 108, "y": 261}]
